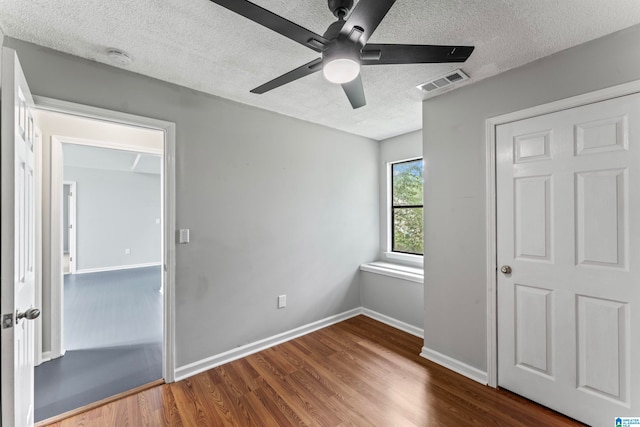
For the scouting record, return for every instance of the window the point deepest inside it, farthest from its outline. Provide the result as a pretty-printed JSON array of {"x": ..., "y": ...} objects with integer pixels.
[{"x": 406, "y": 207}]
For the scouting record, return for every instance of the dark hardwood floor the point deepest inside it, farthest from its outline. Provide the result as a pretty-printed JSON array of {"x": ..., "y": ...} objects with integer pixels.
[{"x": 356, "y": 373}]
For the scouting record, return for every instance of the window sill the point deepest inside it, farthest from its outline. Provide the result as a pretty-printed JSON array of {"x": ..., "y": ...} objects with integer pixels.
[
  {"x": 412, "y": 260},
  {"x": 412, "y": 274}
]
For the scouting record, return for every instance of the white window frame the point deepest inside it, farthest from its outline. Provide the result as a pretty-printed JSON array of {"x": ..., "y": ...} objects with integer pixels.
[{"x": 389, "y": 254}]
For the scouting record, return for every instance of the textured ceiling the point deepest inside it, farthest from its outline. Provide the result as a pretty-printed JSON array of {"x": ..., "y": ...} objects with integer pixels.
[{"x": 198, "y": 44}]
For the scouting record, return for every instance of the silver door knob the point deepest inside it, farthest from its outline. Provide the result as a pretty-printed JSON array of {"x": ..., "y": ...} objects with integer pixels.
[
  {"x": 505, "y": 269},
  {"x": 30, "y": 314}
]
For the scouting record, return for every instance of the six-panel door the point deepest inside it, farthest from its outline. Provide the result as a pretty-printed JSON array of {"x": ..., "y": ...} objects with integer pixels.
[{"x": 568, "y": 203}]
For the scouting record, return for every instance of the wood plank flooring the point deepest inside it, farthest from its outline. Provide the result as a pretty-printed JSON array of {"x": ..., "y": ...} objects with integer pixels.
[{"x": 356, "y": 373}]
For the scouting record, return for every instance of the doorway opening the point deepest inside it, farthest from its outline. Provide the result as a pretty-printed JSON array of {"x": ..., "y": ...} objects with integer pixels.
[{"x": 108, "y": 329}]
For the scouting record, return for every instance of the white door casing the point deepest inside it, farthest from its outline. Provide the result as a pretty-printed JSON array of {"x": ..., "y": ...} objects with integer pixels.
[
  {"x": 72, "y": 226},
  {"x": 18, "y": 243},
  {"x": 568, "y": 185},
  {"x": 168, "y": 177}
]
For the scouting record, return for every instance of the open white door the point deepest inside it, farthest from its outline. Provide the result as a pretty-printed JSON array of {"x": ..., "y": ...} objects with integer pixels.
[
  {"x": 568, "y": 202},
  {"x": 17, "y": 250}
]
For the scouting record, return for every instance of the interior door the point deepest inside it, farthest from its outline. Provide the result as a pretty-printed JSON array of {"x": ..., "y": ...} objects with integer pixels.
[
  {"x": 568, "y": 202},
  {"x": 18, "y": 244}
]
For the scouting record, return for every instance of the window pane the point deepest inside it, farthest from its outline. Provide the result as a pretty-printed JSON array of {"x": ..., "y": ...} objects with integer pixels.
[
  {"x": 407, "y": 230},
  {"x": 407, "y": 183}
]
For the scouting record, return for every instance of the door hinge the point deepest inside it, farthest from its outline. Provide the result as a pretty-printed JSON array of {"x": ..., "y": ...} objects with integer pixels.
[{"x": 7, "y": 321}]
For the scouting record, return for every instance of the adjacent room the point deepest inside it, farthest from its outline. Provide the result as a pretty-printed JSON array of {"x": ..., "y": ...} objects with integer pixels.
[
  {"x": 110, "y": 307},
  {"x": 367, "y": 212}
]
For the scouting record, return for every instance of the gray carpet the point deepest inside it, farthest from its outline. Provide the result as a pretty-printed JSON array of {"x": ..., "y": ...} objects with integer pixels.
[{"x": 113, "y": 337}]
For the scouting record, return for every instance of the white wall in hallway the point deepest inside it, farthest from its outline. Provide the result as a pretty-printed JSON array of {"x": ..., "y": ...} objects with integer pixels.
[{"x": 116, "y": 210}]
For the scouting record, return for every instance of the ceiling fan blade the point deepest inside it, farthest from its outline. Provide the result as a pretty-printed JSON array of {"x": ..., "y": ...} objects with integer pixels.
[
  {"x": 355, "y": 92},
  {"x": 367, "y": 15},
  {"x": 373, "y": 54},
  {"x": 304, "y": 70},
  {"x": 276, "y": 23}
]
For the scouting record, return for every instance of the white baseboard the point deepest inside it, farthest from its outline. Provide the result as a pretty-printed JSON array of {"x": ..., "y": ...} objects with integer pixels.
[
  {"x": 194, "y": 368},
  {"x": 410, "y": 329},
  {"x": 47, "y": 356},
  {"x": 455, "y": 365},
  {"x": 117, "y": 267}
]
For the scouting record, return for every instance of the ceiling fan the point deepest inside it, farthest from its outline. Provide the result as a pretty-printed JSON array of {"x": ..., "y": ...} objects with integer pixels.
[{"x": 344, "y": 45}]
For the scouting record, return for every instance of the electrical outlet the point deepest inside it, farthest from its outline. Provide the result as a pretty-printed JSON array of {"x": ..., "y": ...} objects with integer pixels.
[
  {"x": 127, "y": 251},
  {"x": 282, "y": 301}
]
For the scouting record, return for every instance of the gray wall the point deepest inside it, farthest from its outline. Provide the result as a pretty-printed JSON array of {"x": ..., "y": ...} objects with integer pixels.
[
  {"x": 397, "y": 298},
  {"x": 116, "y": 210},
  {"x": 1, "y": 44},
  {"x": 275, "y": 205},
  {"x": 454, "y": 151}
]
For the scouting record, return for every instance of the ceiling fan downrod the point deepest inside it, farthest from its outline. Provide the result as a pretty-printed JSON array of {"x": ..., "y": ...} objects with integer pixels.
[{"x": 340, "y": 8}]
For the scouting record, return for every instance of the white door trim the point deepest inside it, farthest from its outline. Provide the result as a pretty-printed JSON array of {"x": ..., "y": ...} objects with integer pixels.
[
  {"x": 37, "y": 330},
  {"x": 114, "y": 145},
  {"x": 491, "y": 212},
  {"x": 56, "y": 272},
  {"x": 168, "y": 214},
  {"x": 73, "y": 226}
]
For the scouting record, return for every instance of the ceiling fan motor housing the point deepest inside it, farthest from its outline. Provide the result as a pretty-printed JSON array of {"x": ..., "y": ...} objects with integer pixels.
[
  {"x": 342, "y": 50},
  {"x": 340, "y": 8}
]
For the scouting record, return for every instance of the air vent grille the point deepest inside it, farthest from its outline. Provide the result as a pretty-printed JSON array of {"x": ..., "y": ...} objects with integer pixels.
[{"x": 443, "y": 81}]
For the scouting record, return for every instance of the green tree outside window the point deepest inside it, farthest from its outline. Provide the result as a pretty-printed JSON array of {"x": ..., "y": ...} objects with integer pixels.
[{"x": 407, "y": 205}]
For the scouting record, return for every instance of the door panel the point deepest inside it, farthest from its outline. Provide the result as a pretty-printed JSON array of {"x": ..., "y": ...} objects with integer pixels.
[
  {"x": 534, "y": 317},
  {"x": 600, "y": 215},
  {"x": 568, "y": 184},
  {"x": 18, "y": 243},
  {"x": 532, "y": 217},
  {"x": 602, "y": 342}
]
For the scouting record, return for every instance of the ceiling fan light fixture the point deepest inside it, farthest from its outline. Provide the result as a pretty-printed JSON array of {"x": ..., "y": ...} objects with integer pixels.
[{"x": 341, "y": 70}]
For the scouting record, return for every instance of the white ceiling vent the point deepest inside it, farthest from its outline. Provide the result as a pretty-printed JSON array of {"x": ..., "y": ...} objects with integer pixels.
[{"x": 442, "y": 81}]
